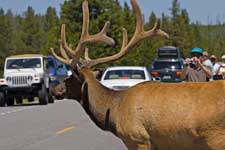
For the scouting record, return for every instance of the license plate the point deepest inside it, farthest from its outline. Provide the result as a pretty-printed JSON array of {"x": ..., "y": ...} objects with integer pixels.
[{"x": 166, "y": 77}]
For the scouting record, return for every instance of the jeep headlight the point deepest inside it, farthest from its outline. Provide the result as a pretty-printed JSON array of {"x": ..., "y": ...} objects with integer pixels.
[{"x": 36, "y": 77}]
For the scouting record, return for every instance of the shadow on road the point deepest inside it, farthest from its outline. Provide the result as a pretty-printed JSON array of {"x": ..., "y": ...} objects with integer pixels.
[{"x": 26, "y": 105}]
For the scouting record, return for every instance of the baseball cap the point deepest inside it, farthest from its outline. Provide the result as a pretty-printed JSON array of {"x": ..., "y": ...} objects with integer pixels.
[{"x": 197, "y": 50}]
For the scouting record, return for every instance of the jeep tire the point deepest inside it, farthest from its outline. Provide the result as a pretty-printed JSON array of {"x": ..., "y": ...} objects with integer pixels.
[
  {"x": 43, "y": 95},
  {"x": 50, "y": 96},
  {"x": 30, "y": 99},
  {"x": 10, "y": 101},
  {"x": 19, "y": 100},
  {"x": 2, "y": 99}
]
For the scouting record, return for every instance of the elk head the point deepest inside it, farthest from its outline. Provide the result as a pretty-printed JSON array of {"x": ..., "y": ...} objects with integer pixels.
[{"x": 82, "y": 66}]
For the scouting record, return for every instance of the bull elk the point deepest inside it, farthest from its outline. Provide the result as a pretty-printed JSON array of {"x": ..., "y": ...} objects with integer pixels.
[{"x": 156, "y": 116}]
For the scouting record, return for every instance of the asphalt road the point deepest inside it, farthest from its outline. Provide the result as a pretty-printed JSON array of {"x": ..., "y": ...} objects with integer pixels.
[{"x": 60, "y": 126}]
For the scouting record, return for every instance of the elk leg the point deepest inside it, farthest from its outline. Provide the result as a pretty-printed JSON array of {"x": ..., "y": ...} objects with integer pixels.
[
  {"x": 215, "y": 139},
  {"x": 131, "y": 145},
  {"x": 138, "y": 146},
  {"x": 144, "y": 147}
]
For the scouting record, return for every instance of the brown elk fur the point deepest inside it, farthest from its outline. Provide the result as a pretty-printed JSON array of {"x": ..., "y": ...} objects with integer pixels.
[
  {"x": 161, "y": 116},
  {"x": 156, "y": 116}
]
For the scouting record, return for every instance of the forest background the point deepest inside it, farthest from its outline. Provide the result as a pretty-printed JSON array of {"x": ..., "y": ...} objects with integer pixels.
[{"x": 36, "y": 33}]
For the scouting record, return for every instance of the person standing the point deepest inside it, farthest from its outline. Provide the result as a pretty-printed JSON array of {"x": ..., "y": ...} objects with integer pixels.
[
  {"x": 216, "y": 67},
  {"x": 194, "y": 69},
  {"x": 207, "y": 63},
  {"x": 221, "y": 70}
]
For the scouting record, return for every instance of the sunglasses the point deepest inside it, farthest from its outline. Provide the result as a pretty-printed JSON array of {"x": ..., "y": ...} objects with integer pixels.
[{"x": 196, "y": 55}]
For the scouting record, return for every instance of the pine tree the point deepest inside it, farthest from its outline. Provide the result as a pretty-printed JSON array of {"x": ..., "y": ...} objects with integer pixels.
[
  {"x": 51, "y": 28},
  {"x": 33, "y": 31}
]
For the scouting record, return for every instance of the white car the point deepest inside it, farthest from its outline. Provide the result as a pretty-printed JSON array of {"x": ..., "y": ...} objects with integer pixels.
[{"x": 123, "y": 77}]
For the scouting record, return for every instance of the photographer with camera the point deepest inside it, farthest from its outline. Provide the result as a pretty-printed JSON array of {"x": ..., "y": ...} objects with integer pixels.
[{"x": 194, "y": 69}]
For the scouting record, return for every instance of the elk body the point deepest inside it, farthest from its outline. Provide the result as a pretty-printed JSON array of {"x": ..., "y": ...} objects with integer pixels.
[{"x": 156, "y": 116}]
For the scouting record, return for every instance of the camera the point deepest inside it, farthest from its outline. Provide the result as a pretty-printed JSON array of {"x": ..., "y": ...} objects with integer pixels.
[{"x": 192, "y": 63}]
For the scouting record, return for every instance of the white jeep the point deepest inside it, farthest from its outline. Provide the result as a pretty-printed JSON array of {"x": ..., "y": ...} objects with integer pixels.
[{"x": 25, "y": 76}]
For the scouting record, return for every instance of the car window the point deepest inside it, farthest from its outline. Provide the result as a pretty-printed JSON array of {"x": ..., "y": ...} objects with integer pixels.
[
  {"x": 125, "y": 74},
  {"x": 51, "y": 64},
  {"x": 167, "y": 65},
  {"x": 23, "y": 63}
]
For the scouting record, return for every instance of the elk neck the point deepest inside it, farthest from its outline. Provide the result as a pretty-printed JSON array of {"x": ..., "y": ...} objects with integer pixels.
[{"x": 103, "y": 103}]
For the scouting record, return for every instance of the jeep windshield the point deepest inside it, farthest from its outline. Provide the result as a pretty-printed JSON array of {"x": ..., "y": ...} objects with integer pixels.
[
  {"x": 125, "y": 74},
  {"x": 166, "y": 65},
  {"x": 23, "y": 63}
]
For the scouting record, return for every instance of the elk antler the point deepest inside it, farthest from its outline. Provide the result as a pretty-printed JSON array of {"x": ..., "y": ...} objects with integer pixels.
[
  {"x": 101, "y": 36},
  {"x": 138, "y": 35},
  {"x": 85, "y": 38}
]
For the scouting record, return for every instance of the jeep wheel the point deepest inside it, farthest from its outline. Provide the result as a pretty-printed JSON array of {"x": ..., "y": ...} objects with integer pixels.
[
  {"x": 2, "y": 100},
  {"x": 30, "y": 99},
  {"x": 19, "y": 100},
  {"x": 10, "y": 101},
  {"x": 50, "y": 96},
  {"x": 43, "y": 95}
]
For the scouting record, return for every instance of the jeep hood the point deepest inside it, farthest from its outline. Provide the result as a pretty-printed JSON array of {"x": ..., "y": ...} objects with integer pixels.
[{"x": 12, "y": 72}]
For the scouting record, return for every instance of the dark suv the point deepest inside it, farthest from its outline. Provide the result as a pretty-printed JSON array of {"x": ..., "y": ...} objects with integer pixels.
[
  {"x": 168, "y": 66},
  {"x": 167, "y": 70}
]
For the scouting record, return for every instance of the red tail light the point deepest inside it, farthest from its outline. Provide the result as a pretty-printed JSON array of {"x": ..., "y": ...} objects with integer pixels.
[
  {"x": 154, "y": 74},
  {"x": 124, "y": 77},
  {"x": 178, "y": 73}
]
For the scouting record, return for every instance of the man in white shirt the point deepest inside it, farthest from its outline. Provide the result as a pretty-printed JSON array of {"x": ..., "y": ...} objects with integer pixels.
[{"x": 216, "y": 67}]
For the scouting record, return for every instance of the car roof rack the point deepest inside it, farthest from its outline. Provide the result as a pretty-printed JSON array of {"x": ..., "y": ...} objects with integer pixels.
[{"x": 167, "y": 52}]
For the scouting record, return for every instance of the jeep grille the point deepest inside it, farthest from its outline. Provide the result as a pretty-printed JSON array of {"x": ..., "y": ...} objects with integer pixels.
[{"x": 19, "y": 80}]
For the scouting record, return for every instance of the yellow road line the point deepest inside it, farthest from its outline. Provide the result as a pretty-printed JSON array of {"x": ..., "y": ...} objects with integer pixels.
[{"x": 65, "y": 130}]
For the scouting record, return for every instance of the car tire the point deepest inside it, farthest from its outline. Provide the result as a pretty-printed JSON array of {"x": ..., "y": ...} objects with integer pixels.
[
  {"x": 43, "y": 95},
  {"x": 50, "y": 97},
  {"x": 2, "y": 100},
  {"x": 10, "y": 101},
  {"x": 19, "y": 100},
  {"x": 30, "y": 99}
]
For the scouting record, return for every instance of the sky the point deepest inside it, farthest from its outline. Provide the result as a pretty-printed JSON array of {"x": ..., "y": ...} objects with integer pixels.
[{"x": 204, "y": 11}]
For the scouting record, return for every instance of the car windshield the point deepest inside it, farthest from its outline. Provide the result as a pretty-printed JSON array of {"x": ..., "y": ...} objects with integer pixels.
[
  {"x": 125, "y": 74},
  {"x": 23, "y": 63},
  {"x": 167, "y": 65}
]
